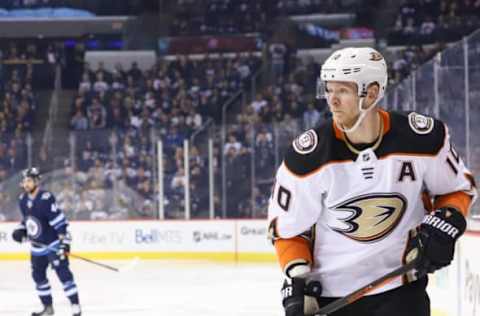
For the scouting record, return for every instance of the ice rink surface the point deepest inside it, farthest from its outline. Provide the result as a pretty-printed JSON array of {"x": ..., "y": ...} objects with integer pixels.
[{"x": 152, "y": 288}]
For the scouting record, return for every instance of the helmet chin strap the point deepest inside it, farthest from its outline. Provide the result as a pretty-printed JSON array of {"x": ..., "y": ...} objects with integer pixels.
[{"x": 363, "y": 113}]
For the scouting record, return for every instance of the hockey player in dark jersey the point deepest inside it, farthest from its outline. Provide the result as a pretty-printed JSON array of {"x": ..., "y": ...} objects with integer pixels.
[{"x": 45, "y": 226}]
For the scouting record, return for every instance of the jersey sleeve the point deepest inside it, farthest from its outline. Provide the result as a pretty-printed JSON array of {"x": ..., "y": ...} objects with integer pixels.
[
  {"x": 295, "y": 204},
  {"x": 55, "y": 216},
  {"x": 448, "y": 179}
]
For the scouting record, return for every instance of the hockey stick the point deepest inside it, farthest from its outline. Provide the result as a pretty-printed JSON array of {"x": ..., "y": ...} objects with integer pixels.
[
  {"x": 358, "y": 294},
  {"x": 106, "y": 266},
  {"x": 127, "y": 267}
]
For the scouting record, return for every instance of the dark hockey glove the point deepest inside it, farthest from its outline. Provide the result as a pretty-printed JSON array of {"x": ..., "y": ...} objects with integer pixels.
[
  {"x": 293, "y": 292},
  {"x": 64, "y": 246},
  {"x": 300, "y": 298},
  {"x": 19, "y": 234},
  {"x": 436, "y": 238}
]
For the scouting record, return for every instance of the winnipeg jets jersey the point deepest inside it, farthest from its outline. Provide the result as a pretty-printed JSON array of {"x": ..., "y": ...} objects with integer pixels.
[
  {"x": 43, "y": 220},
  {"x": 363, "y": 204}
]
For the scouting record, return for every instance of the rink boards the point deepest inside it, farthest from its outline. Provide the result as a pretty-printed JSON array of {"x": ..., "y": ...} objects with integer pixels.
[
  {"x": 224, "y": 240},
  {"x": 455, "y": 291}
]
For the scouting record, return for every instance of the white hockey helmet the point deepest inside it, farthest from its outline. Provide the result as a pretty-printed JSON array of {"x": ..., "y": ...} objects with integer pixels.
[{"x": 361, "y": 65}]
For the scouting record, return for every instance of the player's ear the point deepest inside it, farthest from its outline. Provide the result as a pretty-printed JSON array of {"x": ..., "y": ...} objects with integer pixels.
[{"x": 372, "y": 92}]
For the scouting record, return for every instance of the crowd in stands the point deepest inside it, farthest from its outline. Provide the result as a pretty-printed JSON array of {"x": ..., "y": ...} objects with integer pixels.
[
  {"x": 430, "y": 21},
  {"x": 243, "y": 16},
  {"x": 220, "y": 17},
  {"x": 18, "y": 105},
  {"x": 116, "y": 112},
  {"x": 405, "y": 61}
]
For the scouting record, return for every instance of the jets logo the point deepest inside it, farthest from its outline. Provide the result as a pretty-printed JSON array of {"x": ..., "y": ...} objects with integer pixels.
[
  {"x": 34, "y": 229},
  {"x": 375, "y": 56},
  {"x": 368, "y": 217}
]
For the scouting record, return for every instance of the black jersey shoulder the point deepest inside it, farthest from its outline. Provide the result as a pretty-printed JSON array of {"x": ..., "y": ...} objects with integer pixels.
[
  {"x": 411, "y": 133},
  {"x": 402, "y": 138},
  {"x": 327, "y": 148}
]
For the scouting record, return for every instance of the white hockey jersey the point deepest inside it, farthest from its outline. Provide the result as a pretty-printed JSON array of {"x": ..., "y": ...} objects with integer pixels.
[{"x": 363, "y": 206}]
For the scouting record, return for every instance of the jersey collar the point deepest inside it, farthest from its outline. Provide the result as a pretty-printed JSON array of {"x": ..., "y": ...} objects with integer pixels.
[{"x": 386, "y": 125}]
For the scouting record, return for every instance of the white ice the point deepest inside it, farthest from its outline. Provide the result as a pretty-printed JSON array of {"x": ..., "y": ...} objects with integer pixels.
[{"x": 152, "y": 288}]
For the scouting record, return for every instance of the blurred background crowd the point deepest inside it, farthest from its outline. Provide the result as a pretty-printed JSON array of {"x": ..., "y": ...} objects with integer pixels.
[{"x": 241, "y": 74}]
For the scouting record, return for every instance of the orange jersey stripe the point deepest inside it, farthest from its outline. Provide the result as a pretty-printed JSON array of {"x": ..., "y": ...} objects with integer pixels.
[
  {"x": 292, "y": 249},
  {"x": 458, "y": 200}
]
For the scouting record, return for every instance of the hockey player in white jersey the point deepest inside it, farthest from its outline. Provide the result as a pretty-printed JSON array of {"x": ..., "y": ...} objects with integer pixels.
[{"x": 357, "y": 194}]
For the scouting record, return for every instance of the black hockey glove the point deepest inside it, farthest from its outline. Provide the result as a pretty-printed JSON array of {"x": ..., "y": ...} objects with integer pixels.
[
  {"x": 293, "y": 291},
  {"x": 64, "y": 246},
  {"x": 19, "y": 234},
  {"x": 436, "y": 238},
  {"x": 297, "y": 296}
]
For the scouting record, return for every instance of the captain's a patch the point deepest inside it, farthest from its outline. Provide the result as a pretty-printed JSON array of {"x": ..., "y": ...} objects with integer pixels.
[
  {"x": 420, "y": 124},
  {"x": 306, "y": 142}
]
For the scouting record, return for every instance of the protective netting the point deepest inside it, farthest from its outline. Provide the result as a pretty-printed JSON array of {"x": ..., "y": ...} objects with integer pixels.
[{"x": 448, "y": 87}]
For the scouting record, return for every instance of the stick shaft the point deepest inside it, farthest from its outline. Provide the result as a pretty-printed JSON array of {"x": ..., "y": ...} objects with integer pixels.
[
  {"x": 106, "y": 266},
  {"x": 356, "y": 295}
]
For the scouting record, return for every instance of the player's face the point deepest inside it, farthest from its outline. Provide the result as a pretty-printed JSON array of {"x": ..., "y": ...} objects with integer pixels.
[
  {"x": 342, "y": 100},
  {"x": 29, "y": 185}
]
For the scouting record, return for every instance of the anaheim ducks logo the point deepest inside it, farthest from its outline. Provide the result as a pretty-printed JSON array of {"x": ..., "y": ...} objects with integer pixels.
[
  {"x": 375, "y": 56},
  {"x": 369, "y": 217}
]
